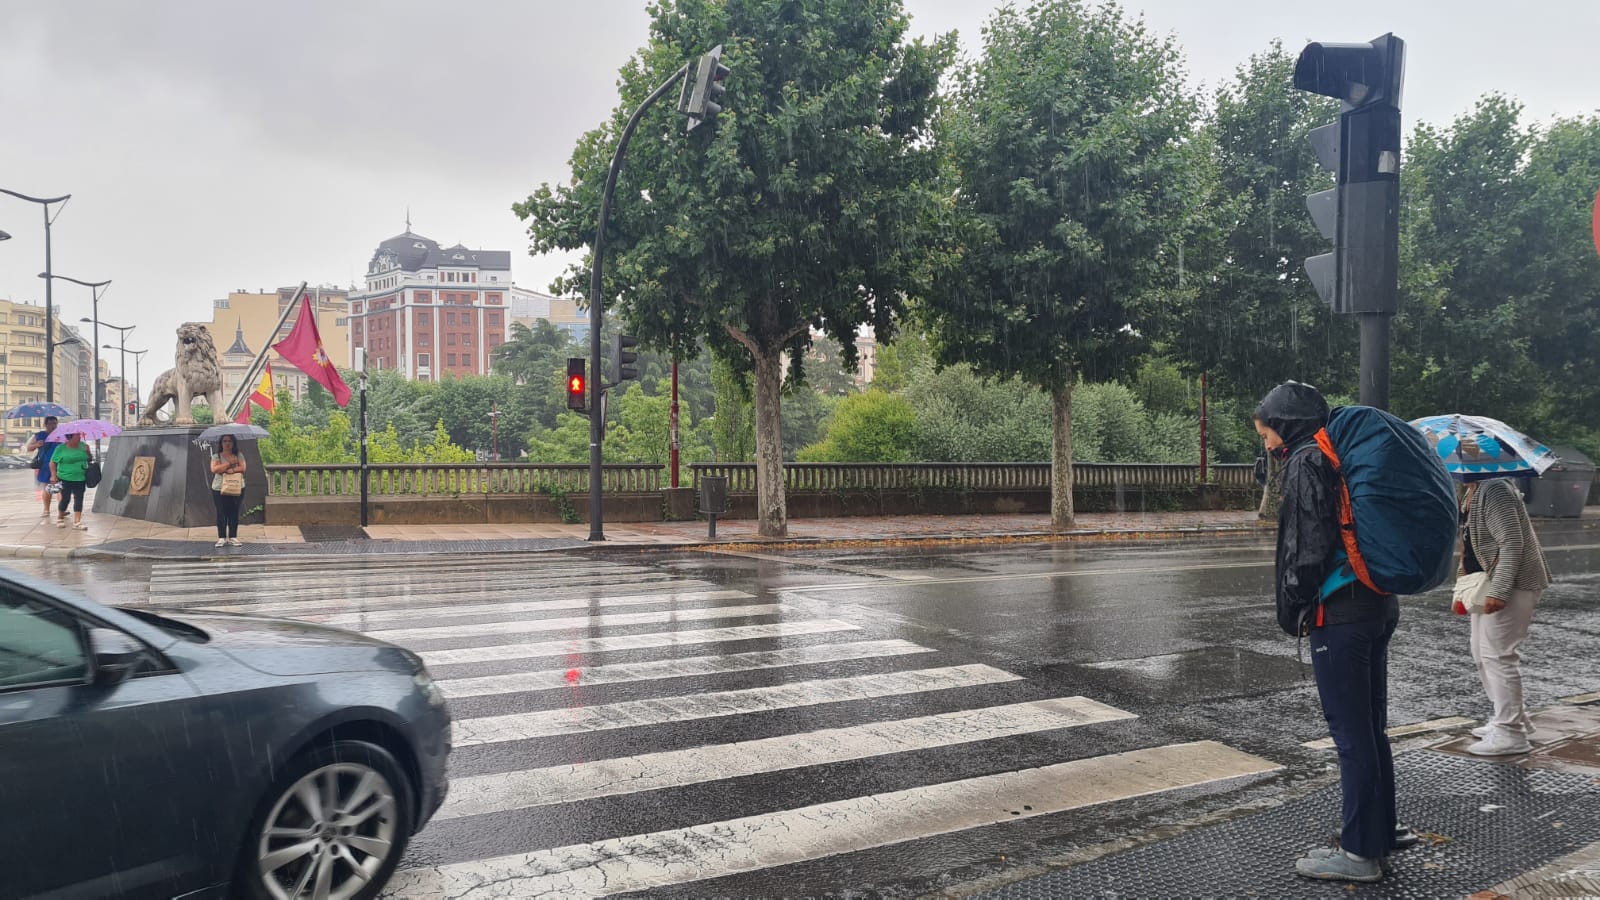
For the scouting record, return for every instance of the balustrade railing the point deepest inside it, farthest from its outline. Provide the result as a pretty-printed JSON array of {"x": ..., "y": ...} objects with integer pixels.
[
  {"x": 973, "y": 476},
  {"x": 407, "y": 479}
]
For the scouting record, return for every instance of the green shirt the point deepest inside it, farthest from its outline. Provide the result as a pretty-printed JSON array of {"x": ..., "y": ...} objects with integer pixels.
[{"x": 72, "y": 463}]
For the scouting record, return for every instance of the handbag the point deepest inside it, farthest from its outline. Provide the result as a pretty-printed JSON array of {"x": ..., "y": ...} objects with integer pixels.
[
  {"x": 91, "y": 474},
  {"x": 232, "y": 484},
  {"x": 1470, "y": 593}
]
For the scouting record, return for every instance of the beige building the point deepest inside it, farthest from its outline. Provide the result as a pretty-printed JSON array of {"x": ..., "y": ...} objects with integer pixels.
[
  {"x": 242, "y": 324},
  {"x": 22, "y": 367},
  {"x": 528, "y": 307}
]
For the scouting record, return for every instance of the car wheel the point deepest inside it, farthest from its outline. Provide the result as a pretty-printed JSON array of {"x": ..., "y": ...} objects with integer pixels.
[{"x": 332, "y": 827}]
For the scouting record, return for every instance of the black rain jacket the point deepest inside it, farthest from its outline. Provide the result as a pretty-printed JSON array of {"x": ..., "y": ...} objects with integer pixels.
[
  {"x": 1308, "y": 520},
  {"x": 1310, "y": 546}
]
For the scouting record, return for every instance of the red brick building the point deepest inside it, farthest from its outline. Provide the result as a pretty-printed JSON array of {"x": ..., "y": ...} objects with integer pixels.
[{"x": 432, "y": 311}]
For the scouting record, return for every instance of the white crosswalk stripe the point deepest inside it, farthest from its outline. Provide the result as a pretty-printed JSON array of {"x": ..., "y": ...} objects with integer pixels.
[
  {"x": 717, "y": 849},
  {"x": 560, "y": 650},
  {"x": 676, "y": 668}
]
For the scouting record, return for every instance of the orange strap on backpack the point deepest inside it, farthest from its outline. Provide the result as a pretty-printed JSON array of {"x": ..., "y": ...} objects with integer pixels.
[{"x": 1347, "y": 520}]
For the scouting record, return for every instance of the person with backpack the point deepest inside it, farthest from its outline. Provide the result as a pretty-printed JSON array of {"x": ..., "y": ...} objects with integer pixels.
[
  {"x": 43, "y": 448},
  {"x": 1349, "y": 628}
]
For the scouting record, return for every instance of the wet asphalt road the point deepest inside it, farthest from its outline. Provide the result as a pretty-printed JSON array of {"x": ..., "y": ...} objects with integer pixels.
[{"x": 820, "y": 722}]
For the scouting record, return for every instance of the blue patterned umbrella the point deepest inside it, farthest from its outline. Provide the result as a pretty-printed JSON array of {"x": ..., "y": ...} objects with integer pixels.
[
  {"x": 1477, "y": 448},
  {"x": 38, "y": 409}
]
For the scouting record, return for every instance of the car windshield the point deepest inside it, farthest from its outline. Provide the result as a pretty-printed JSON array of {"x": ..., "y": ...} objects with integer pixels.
[{"x": 177, "y": 629}]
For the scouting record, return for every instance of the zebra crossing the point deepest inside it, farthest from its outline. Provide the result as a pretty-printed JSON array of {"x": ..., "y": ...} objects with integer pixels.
[{"x": 619, "y": 729}]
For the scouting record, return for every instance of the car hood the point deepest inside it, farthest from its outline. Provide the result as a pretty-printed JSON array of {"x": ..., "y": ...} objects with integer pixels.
[{"x": 288, "y": 647}]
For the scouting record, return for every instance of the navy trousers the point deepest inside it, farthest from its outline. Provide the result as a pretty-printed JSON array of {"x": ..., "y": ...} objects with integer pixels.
[{"x": 1351, "y": 662}]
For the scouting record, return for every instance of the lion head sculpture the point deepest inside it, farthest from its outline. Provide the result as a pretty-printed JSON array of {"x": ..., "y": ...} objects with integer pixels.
[{"x": 198, "y": 373}]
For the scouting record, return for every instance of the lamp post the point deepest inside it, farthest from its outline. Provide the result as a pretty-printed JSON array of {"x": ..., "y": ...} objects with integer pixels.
[
  {"x": 49, "y": 304},
  {"x": 122, "y": 347},
  {"x": 138, "y": 384},
  {"x": 95, "y": 292}
]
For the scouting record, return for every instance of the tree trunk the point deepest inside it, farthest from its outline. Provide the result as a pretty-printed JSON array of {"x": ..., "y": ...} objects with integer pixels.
[
  {"x": 1061, "y": 459},
  {"x": 771, "y": 508}
]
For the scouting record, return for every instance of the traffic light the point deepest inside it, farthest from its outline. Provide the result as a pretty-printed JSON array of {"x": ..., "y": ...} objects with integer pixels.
[
  {"x": 133, "y": 407},
  {"x": 701, "y": 99},
  {"x": 623, "y": 358},
  {"x": 1361, "y": 213},
  {"x": 577, "y": 384}
]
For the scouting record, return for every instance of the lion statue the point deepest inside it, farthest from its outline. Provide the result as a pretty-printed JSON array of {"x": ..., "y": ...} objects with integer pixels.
[{"x": 198, "y": 374}]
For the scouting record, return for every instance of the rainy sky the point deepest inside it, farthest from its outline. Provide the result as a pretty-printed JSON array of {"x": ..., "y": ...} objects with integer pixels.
[{"x": 216, "y": 146}]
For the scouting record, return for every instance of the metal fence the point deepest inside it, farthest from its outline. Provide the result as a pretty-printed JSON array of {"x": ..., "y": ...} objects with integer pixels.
[{"x": 408, "y": 479}]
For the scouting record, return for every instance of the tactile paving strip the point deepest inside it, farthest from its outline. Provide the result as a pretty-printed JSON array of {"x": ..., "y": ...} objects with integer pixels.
[{"x": 1499, "y": 821}]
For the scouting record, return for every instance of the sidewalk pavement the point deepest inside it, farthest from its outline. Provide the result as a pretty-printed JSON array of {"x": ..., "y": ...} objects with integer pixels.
[{"x": 25, "y": 532}]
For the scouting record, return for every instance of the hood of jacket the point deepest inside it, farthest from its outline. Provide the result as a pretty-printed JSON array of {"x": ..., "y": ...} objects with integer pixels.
[{"x": 1295, "y": 411}]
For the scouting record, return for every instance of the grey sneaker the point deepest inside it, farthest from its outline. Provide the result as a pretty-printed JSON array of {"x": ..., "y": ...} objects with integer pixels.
[
  {"x": 1404, "y": 839},
  {"x": 1337, "y": 865}
]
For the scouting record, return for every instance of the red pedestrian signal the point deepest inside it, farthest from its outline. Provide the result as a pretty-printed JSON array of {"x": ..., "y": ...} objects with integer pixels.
[{"x": 577, "y": 383}]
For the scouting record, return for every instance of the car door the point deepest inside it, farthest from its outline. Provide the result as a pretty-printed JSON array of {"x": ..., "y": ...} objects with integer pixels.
[{"x": 95, "y": 776}]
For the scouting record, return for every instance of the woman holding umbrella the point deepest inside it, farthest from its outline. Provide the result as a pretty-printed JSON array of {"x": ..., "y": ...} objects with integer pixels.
[
  {"x": 226, "y": 495},
  {"x": 43, "y": 448},
  {"x": 1497, "y": 538},
  {"x": 69, "y": 467}
]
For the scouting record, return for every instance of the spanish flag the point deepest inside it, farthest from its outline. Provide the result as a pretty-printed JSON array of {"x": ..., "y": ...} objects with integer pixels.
[{"x": 263, "y": 397}]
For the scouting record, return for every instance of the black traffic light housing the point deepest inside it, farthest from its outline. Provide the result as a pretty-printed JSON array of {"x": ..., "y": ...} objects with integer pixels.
[
  {"x": 623, "y": 358},
  {"x": 577, "y": 384},
  {"x": 1361, "y": 213},
  {"x": 701, "y": 98}
]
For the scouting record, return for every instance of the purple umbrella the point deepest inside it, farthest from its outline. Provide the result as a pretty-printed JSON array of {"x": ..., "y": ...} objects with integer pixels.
[{"x": 91, "y": 429}]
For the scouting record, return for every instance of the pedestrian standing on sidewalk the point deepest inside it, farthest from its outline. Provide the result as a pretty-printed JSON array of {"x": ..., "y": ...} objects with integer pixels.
[
  {"x": 1350, "y": 644},
  {"x": 226, "y": 492},
  {"x": 69, "y": 467},
  {"x": 42, "y": 449},
  {"x": 1496, "y": 537}
]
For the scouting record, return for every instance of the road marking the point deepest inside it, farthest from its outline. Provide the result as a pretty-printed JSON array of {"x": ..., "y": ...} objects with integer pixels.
[
  {"x": 388, "y": 582},
  {"x": 480, "y": 794},
  {"x": 718, "y": 849},
  {"x": 715, "y": 704},
  {"x": 690, "y": 667},
  {"x": 402, "y": 613},
  {"x": 812, "y": 563},
  {"x": 1025, "y": 576},
  {"x": 1580, "y": 699},
  {"x": 398, "y": 599},
  {"x": 583, "y": 646},
  {"x": 400, "y": 635},
  {"x": 1403, "y": 730}
]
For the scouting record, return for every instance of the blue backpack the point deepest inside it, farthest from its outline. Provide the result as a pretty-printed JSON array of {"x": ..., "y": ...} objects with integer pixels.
[{"x": 1398, "y": 513}]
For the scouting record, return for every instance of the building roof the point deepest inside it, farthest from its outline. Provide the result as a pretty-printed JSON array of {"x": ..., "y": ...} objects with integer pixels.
[
  {"x": 412, "y": 252},
  {"x": 239, "y": 345}
]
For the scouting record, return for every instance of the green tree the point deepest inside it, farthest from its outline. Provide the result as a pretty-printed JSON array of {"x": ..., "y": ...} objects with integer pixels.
[
  {"x": 805, "y": 416},
  {"x": 733, "y": 423},
  {"x": 899, "y": 364},
  {"x": 870, "y": 427},
  {"x": 1077, "y": 176},
  {"x": 1254, "y": 319},
  {"x": 802, "y": 206},
  {"x": 964, "y": 418}
]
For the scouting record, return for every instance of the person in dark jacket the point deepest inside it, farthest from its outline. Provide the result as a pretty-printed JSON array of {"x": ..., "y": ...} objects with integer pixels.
[{"x": 1349, "y": 627}]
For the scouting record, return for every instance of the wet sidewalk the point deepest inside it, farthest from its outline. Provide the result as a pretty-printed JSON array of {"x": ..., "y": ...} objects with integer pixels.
[{"x": 26, "y": 532}]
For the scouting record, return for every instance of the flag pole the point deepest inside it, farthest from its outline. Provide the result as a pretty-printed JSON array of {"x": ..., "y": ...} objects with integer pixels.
[{"x": 253, "y": 374}]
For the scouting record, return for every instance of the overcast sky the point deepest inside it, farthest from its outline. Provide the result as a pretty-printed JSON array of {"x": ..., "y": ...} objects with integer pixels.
[{"x": 216, "y": 146}]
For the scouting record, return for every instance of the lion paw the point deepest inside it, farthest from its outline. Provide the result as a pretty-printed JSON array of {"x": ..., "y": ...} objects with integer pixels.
[{"x": 183, "y": 420}]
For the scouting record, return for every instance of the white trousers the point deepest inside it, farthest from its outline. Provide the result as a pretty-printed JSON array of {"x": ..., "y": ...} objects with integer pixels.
[{"x": 1497, "y": 651}]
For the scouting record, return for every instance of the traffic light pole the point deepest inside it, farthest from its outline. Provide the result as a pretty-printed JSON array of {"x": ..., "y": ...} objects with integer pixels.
[
  {"x": 597, "y": 387},
  {"x": 1375, "y": 360}
]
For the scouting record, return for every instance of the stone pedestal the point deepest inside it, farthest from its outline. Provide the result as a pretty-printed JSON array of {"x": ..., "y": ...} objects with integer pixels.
[{"x": 161, "y": 475}]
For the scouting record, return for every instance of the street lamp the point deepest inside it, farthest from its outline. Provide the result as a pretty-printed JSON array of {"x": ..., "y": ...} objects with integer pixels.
[
  {"x": 122, "y": 347},
  {"x": 94, "y": 292},
  {"x": 138, "y": 383},
  {"x": 49, "y": 305}
]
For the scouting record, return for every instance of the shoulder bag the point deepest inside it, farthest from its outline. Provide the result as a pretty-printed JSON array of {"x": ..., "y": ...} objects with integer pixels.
[{"x": 232, "y": 484}]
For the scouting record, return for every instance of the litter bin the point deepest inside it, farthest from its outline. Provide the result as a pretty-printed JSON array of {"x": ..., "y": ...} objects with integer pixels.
[
  {"x": 1563, "y": 490},
  {"x": 713, "y": 499}
]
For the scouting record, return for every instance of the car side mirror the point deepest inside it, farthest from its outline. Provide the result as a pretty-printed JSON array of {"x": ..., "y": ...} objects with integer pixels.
[{"x": 113, "y": 656}]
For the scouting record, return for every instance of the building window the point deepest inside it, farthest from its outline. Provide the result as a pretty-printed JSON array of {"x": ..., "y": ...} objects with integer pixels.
[
  {"x": 466, "y": 317},
  {"x": 450, "y": 317},
  {"x": 494, "y": 318},
  {"x": 466, "y": 340},
  {"x": 422, "y": 318},
  {"x": 452, "y": 359},
  {"x": 340, "y": 322},
  {"x": 424, "y": 340},
  {"x": 424, "y": 360},
  {"x": 466, "y": 359},
  {"x": 219, "y": 304},
  {"x": 450, "y": 339}
]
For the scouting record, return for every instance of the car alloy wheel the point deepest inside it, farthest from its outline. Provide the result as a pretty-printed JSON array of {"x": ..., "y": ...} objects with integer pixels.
[{"x": 330, "y": 833}]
